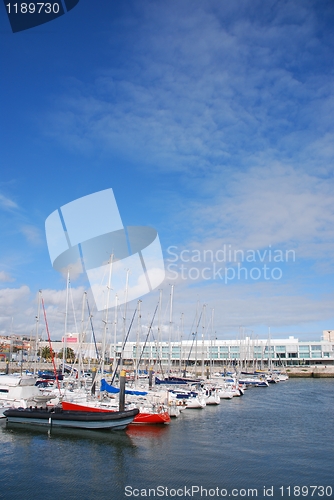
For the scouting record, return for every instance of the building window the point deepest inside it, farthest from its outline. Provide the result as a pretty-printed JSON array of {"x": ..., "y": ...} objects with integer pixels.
[{"x": 304, "y": 351}]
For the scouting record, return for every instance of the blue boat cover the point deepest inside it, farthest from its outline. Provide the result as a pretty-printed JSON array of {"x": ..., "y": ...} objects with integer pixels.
[{"x": 114, "y": 390}]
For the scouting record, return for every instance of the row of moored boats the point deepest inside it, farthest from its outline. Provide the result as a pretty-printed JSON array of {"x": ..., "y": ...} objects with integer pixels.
[{"x": 79, "y": 402}]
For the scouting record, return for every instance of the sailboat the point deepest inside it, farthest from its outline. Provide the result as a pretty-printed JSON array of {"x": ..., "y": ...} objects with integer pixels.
[
  {"x": 147, "y": 413},
  {"x": 17, "y": 391}
]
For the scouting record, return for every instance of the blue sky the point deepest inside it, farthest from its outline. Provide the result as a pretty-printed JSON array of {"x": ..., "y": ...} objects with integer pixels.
[{"x": 211, "y": 121}]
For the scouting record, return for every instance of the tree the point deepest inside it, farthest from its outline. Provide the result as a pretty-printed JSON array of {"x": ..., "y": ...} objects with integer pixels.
[
  {"x": 45, "y": 352},
  {"x": 69, "y": 354}
]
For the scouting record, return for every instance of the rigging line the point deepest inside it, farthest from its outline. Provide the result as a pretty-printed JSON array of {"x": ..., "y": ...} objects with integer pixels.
[
  {"x": 208, "y": 325},
  {"x": 159, "y": 358},
  {"x": 194, "y": 336},
  {"x": 72, "y": 302},
  {"x": 165, "y": 312},
  {"x": 50, "y": 344},
  {"x": 76, "y": 329},
  {"x": 123, "y": 347},
  {"x": 92, "y": 327},
  {"x": 191, "y": 328},
  {"x": 148, "y": 333}
]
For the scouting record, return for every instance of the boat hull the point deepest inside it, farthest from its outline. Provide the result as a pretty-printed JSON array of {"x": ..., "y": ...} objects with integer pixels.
[
  {"x": 151, "y": 418},
  {"x": 72, "y": 419},
  {"x": 140, "y": 418}
]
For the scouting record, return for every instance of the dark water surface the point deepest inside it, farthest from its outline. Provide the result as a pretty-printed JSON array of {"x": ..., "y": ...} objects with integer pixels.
[{"x": 278, "y": 438}]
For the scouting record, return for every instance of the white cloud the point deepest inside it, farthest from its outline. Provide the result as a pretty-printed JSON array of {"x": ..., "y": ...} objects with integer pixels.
[
  {"x": 280, "y": 206},
  {"x": 13, "y": 302},
  {"x": 19, "y": 309},
  {"x": 5, "y": 277},
  {"x": 256, "y": 306},
  {"x": 7, "y": 203},
  {"x": 32, "y": 234},
  {"x": 11, "y": 297}
]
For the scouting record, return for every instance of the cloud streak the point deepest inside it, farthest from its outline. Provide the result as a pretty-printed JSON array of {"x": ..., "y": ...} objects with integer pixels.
[
  {"x": 7, "y": 203},
  {"x": 201, "y": 93},
  {"x": 32, "y": 234},
  {"x": 279, "y": 205}
]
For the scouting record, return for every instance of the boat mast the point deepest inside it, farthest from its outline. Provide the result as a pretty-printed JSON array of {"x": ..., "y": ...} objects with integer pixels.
[
  {"x": 203, "y": 328},
  {"x": 269, "y": 352},
  {"x": 65, "y": 326},
  {"x": 181, "y": 337},
  {"x": 115, "y": 330},
  {"x": 212, "y": 356},
  {"x": 50, "y": 345},
  {"x": 106, "y": 319},
  {"x": 197, "y": 323},
  {"x": 81, "y": 337},
  {"x": 159, "y": 337},
  {"x": 37, "y": 326},
  {"x": 170, "y": 329},
  {"x": 125, "y": 310},
  {"x": 159, "y": 319},
  {"x": 137, "y": 339}
]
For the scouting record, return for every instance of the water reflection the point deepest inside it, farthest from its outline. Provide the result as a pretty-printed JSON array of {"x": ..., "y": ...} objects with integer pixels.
[
  {"x": 118, "y": 438},
  {"x": 147, "y": 430}
]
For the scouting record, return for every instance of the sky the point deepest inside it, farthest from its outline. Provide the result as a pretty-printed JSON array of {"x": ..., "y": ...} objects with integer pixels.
[{"x": 213, "y": 123}]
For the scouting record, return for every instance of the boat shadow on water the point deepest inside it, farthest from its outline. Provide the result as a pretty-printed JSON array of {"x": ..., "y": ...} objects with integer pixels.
[{"x": 103, "y": 437}]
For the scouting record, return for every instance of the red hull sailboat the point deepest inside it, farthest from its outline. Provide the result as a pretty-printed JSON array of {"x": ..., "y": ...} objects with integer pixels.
[{"x": 160, "y": 417}]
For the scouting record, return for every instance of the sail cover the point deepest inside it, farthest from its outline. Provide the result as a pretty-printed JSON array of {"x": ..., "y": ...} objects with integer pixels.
[{"x": 114, "y": 390}]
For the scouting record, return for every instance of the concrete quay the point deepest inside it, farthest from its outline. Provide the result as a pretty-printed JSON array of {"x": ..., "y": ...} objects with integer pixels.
[{"x": 315, "y": 371}]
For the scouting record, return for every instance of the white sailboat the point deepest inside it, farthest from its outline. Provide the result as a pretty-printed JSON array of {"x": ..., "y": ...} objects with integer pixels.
[{"x": 18, "y": 391}]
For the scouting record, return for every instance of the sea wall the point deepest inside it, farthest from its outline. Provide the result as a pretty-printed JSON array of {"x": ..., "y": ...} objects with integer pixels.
[{"x": 317, "y": 371}]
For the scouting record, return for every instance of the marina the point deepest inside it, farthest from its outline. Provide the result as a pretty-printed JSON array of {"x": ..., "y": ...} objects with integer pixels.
[
  {"x": 270, "y": 438},
  {"x": 166, "y": 257}
]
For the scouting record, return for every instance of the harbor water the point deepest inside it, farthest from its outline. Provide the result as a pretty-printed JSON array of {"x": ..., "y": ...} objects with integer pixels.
[{"x": 274, "y": 442}]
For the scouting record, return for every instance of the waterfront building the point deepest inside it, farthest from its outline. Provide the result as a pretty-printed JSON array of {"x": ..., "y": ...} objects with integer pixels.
[{"x": 245, "y": 352}]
